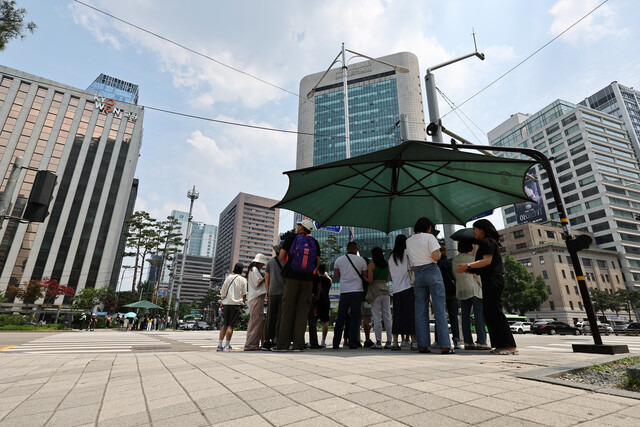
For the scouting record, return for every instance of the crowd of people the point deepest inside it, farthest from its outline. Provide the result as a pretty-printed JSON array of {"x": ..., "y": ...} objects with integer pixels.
[{"x": 295, "y": 289}]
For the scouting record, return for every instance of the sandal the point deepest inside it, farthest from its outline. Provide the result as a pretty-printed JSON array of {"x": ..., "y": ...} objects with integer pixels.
[
  {"x": 447, "y": 350},
  {"x": 504, "y": 352},
  {"x": 424, "y": 350}
]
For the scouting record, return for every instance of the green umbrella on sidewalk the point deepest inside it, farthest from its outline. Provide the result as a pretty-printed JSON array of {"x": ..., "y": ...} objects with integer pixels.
[
  {"x": 389, "y": 189},
  {"x": 142, "y": 304}
]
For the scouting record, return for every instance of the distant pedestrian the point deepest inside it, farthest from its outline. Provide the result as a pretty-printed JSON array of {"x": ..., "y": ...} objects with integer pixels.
[
  {"x": 274, "y": 284},
  {"x": 125, "y": 324},
  {"x": 379, "y": 297},
  {"x": 488, "y": 264},
  {"x": 107, "y": 321},
  {"x": 424, "y": 252},
  {"x": 83, "y": 320},
  {"x": 404, "y": 319},
  {"x": 256, "y": 297},
  {"x": 351, "y": 270},
  {"x": 302, "y": 254},
  {"x": 234, "y": 296},
  {"x": 93, "y": 322},
  {"x": 323, "y": 304},
  {"x": 469, "y": 292}
]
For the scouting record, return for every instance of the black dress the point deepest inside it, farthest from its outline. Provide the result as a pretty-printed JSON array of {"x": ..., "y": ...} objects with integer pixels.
[{"x": 492, "y": 286}]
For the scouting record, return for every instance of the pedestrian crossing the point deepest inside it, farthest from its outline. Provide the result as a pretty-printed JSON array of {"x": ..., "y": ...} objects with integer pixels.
[
  {"x": 91, "y": 342},
  {"x": 205, "y": 339},
  {"x": 566, "y": 346}
]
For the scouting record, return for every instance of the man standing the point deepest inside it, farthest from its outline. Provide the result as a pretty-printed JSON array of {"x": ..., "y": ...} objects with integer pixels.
[
  {"x": 275, "y": 286},
  {"x": 234, "y": 296},
  {"x": 350, "y": 269},
  {"x": 302, "y": 254}
]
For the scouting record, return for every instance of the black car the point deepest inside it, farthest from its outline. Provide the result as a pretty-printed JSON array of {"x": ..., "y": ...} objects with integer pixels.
[
  {"x": 632, "y": 329},
  {"x": 555, "y": 327}
]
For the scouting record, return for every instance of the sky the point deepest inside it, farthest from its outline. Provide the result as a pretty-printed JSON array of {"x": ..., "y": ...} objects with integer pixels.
[{"x": 281, "y": 41}]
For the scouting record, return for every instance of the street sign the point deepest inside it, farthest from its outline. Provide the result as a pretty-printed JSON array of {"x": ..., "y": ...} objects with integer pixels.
[
  {"x": 482, "y": 215},
  {"x": 331, "y": 228},
  {"x": 162, "y": 292}
]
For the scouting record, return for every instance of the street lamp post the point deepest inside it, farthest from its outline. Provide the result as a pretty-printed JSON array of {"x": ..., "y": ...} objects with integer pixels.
[{"x": 192, "y": 195}]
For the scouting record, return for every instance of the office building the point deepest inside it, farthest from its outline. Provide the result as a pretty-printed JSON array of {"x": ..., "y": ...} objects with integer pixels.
[
  {"x": 377, "y": 96},
  {"x": 92, "y": 144},
  {"x": 248, "y": 226},
  {"x": 622, "y": 102},
  {"x": 203, "y": 236},
  {"x": 113, "y": 88},
  {"x": 540, "y": 247},
  {"x": 196, "y": 277},
  {"x": 596, "y": 170}
]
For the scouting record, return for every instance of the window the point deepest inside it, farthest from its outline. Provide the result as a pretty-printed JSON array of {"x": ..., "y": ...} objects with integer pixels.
[
  {"x": 597, "y": 215},
  {"x": 577, "y": 220},
  {"x": 587, "y": 180},
  {"x": 549, "y": 289},
  {"x": 600, "y": 227},
  {"x": 575, "y": 289},
  {"x": 526, "y": 262},
  {"x": 567, "y": 289},
  {"x": 521, "y": 245},
  {"x": 593, "y": 203},
  {"x": 544, "y": 274},
  {"x": 569, "y": 119},
  {"x": 583, "y": 170},
  {"x": 571, "y": 304},
  {"x": 574, "y": 139},
  {"x": 580, "y": 159},
  {"x": 517, "y": 234},
  {"x": 573, "y": 276},
  {"x": 586, "y": 262},
  {"x": 601, "y": 263},
  {"x": 569, "y": 187},
  {"x": 564, "y": 275},
  {"x": 604, "y": 239},
  {"x": 553, "y": 128},
  {"x": 552, "y": 305},
  {"x": 563, "y": 168},
  {"x": 541, "y": 259}
]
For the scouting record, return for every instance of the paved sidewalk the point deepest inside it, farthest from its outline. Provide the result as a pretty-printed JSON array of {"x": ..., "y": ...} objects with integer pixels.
[{"x": 314, "y": 388}]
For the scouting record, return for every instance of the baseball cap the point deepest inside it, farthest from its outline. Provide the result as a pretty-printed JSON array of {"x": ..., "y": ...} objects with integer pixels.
[{"x": 306, "y": 223}]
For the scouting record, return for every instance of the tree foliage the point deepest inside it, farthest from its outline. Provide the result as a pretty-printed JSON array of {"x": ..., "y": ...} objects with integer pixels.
[
  {"x": 601, "y": 300},
  {"x": 88, "y": 298},
  {"x": 28, "y": 292},
  {"x": 330, "y": 249},
  {"x": 521, "y": 292},
  {"x": 12, "y": 24},
  {"x": 53, "y": 290}
]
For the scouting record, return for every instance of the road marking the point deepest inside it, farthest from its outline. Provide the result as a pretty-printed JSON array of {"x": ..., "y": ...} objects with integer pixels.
[{"x": 7, "y": 348}]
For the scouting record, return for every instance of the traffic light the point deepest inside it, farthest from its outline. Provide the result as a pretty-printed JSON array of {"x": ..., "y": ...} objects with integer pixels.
[{"x": 41, "y": 193}]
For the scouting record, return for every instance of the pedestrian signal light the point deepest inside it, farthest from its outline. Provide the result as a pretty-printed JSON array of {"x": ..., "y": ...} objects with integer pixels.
[{"x": 41, "y": 194}]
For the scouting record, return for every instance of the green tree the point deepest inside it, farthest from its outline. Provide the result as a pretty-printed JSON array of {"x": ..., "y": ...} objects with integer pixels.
[
  {"x": 168, "y": 240},
  {"x": 108, "y": 299},
  {"x": 12, "y": 23},
  {"x": 88, "y": 298},
  {"x": 629, "y": 299},
  {"x": 140, "y": 239},
  {"x": 330, "y": 249},
  {"x": 600, "y": 300},
  {"x": 521, "y": 292},
  {"x": 211, "y": 302}
]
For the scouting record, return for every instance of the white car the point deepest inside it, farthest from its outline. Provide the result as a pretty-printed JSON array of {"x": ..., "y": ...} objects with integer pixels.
[
  {"x": 521, "y": 327},
  {"x": 604, "y": 328}
]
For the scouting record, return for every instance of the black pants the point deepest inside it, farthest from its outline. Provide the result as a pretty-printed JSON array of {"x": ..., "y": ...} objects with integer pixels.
[
  {"x": 272, "y": 324},
  {"x": 453, "y": 306},
  {"x": 499, "y": 330},
  {"x": 313, "y": 320}
]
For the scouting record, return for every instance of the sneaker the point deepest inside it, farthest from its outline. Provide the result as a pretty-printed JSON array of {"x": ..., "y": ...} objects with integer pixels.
[
  {"x": 395, "y": 346},
  {"x": 387, "y": 346},
  {"x": 220, "y": 348},
  {"x": 376, "y": 346},
  {"x": 456, "y": 345},
  {"x": 414, "y": 346},
  {"x": 406, "y": 343},
  {"x": 323, "y": 345},
  {"x": 368, "y": 343},
  {"x": 470, "y": 347},
  {"x": 279, "y": 350},
  {"x": 228, "y": 348}
]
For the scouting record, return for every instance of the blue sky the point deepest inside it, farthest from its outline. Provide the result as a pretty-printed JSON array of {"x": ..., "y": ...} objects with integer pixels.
[{"x": 282, "y": 41}]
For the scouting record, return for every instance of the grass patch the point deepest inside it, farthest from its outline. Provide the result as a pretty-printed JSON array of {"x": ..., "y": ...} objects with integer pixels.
[{"x": 52, "y": 327}]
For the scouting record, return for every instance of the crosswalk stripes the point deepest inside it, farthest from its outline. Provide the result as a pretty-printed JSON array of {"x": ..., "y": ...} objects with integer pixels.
[{"x": 89, "y": 342}]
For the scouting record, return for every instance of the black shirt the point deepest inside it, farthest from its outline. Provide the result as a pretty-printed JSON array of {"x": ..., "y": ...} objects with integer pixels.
[
  {"x": 288, "y": 271},
  {"x": 489, "y": 246}
]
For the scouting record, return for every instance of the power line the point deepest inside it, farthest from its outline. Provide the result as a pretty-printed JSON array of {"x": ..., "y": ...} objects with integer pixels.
[
  {"x": 526, "y": 59},
  {"x": 452, "y": 105}
]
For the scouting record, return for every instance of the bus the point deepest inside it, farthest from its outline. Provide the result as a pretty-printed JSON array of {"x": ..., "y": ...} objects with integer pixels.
[{"x": 515, "y": 318}]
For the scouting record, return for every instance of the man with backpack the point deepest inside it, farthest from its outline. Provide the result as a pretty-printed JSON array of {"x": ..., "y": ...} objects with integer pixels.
[{"x": 302, "y": 255}]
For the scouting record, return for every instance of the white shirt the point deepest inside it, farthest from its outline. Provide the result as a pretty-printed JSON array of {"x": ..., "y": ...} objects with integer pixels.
[
  {"x": 467, "y": 285},
  {"x": 233, "y": 289},
  {"x": 420, "y": 247},
  {"x": 254, "y": 278},
  {"x": 399, "y": 275},
  {"x": 349, "y": 279}
]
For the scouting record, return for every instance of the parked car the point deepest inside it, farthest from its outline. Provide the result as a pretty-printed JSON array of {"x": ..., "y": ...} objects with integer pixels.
[
  {"x": 188, "y": 325},
  {"x": 521, "y": 327},
  {"x": 555, "y": 327},
  {"x": 202, "y": 325},
  {"x": 604, "y": 328},
  {"x": 620, "y": 328},
  {"x": 535, "y": 326},
  {"x": 632, "y": 328}
]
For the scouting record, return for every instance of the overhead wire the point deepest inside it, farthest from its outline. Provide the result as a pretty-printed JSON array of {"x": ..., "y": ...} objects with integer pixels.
[
  {"x": 452, "y": 105},
  {"x": 526, "y": 59}
]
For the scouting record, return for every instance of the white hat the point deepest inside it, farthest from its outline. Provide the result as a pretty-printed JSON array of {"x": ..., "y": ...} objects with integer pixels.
[
  {"x": 306, "y": 223},
  {"x": 260, "y": 259}
]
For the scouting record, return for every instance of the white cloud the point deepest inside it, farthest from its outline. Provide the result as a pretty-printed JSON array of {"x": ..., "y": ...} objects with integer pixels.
[{"x": 600, "y": 24}]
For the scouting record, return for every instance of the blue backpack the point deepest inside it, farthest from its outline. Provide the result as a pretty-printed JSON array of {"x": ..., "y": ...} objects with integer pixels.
[{"x": 304, "y": 253}]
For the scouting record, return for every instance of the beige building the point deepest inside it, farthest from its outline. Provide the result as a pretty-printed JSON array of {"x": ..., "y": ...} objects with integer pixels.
[
  {"x": 540, "y": 248},
  {"x": 249, "y": 225}
]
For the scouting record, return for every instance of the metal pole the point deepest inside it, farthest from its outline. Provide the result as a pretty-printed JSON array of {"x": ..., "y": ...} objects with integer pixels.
[
  {"x": 347, "y": 136},
  {"x": 7, "y": 195},
  {"x": 192, "y": 195}
]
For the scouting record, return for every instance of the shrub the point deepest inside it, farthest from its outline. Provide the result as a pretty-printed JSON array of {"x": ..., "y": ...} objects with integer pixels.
[{"x": 12, "y": 319}]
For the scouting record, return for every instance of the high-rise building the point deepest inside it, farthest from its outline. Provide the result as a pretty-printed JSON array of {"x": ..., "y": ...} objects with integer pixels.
[
  {"x": 196, "y": 277},
  {"x": 541, "y": 249},
  {"x": 596, "y": 170},
  {"x": 248, "y": 226},
  {"x": 622, "y": 102},
  {"x": 377, "y": 96},
  {"x": 203, "y": 236},
  {"x": 92, "y": 144}
]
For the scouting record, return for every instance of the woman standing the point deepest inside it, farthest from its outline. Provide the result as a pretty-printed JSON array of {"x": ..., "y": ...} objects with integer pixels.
[
  {"x": 424, "y": 252},
  {"x": 256, "y": 297},
  {"x": 488, "y": 265},
  {"x": 378, "y": 294},
  {"x": 404, "y": 321}
]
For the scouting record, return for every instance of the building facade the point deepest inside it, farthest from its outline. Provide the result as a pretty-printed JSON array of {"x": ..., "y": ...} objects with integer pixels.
[
  {"x": 92, "y": 144},
  {"x": 196, "y": 277},
  {"x": 203, "y": 236},
  {"x": 540, "y": 247},
  {"x": 597, "y": 172},
  {"x": 378, "y": 97},
  {"x": 247, "y": 226}
]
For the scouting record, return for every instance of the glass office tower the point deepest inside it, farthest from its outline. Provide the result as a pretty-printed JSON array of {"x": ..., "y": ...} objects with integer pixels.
[{"x": 378, "y": 96}]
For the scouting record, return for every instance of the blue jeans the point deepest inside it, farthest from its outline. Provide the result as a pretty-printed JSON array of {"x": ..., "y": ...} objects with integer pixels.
[
  {"x": 478, "y": 315},
  {"x": 428, "y": 282},
  {"x": 349, "y": 302}
]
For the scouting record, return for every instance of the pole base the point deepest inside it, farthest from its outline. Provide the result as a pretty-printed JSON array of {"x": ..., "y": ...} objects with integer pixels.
[{"x": 600, "y": 349}]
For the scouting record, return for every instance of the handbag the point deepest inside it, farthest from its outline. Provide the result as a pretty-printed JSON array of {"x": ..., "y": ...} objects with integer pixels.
[
  {"x": 412, "y": 276},
  {"x": 365, "y": 283}
]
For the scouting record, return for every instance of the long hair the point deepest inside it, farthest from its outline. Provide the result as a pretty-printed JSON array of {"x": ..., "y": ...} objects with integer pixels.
[
  {"x": 378, "y": 257},
  {"x": 399, "y": 247},
  {"x": 488, "y": 228},
  {"x": 253, "y": 264}
]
